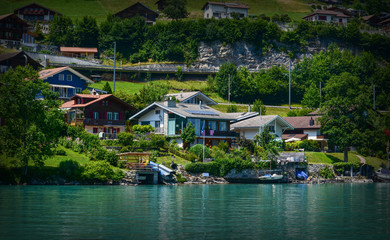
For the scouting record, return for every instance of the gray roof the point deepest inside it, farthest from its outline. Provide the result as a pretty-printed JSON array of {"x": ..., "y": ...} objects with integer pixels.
[
  {"x": 189, "y": 111},
  {"x": 259, "y": 121},
  {"x": 183, "y": 96}
]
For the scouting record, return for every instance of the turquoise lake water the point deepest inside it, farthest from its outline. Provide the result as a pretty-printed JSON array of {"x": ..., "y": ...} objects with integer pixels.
[{"x": 231, "y": 211}]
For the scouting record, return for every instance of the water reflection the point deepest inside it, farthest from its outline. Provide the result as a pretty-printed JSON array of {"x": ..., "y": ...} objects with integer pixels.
[{"x": 332, "y": 211}]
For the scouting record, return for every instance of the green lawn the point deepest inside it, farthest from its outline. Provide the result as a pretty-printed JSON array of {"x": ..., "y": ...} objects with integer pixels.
[
  {"x": 168, "y": 159},
  {"x": 76, "y": 9},
  {"x": 55, "y": 160},
  {"x": 128, "y": 87},
  {"x": 330, "y": 158},
  {"x": 375, "y": 162}
]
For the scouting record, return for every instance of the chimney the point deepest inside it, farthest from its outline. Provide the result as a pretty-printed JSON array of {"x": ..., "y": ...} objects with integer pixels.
[
  {"x": 311, "y": 122},
  {"x": 200, "y": 104},
  {"x": 249, "y": 108},
  {"x": 94, "y": 92},
  {"x": 171, "y": 103}
]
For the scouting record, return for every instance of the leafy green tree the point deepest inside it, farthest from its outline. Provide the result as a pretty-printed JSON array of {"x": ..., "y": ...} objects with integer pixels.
[
  {"x": 259, "y": 107},
  {"x": 87, "y": 32},
  {"x": 346, "y": 108},
  {"x": 107, "y": 88},
  {"x": 311, "y": 99},
  {"x": 176, "y": 9},
  {"x": 153, "y": 92},
  {"x": 61, "y": 31},
  {"x": 226, "y": 71},
  {"x": 179, "y": 73},
  {"x": 32, "y": 126},
  {"x": 268, "y": 144},
  {"x": 38, "y": 32},
  {"x": 188, "y": 134}
]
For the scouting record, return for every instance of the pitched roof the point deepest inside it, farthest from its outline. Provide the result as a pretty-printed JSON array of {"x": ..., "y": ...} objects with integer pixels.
[
  {"x": 327, "y": 12},
  {"x": 287, "y": 136},
  {"x": 183, "y": 96},
  {"x": 143, "y": 5},
  {"x": 14, "y": 16},
  {"x": 44, "y": 74},
  {"x": 230, "y": 5},
  {"x": 14, "y": 59},
  {"x": 78, "y": 49},
  {"x": 259, "y": 121},
  {"x": 96, "y": 98},
  {"x": 303, "y": 122},
  {"x": 28, "y": 5},
  {"x": 187, "y": 111}
]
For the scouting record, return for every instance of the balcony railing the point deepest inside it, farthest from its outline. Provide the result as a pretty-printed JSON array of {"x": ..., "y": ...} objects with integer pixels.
[
  {"x": 220, "y": 133},
  {"x": 159, "y": 130},
  {"x": 101, "y": 122}
]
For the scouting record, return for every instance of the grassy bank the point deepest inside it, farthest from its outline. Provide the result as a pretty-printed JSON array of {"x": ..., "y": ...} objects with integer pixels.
[{"x": 99, "y": 9}]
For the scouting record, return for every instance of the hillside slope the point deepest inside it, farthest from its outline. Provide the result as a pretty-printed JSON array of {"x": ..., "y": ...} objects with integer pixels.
[{"x": 100, "y": 8}]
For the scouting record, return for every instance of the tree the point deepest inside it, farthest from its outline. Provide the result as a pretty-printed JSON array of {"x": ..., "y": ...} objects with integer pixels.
[
  {"x": 32, "y": 126},
  {"x": 258, "y": 105},
  {"x": 61, "y": 31},
  {"x": 107, "y": 88},
  {"x": 188, "y": 134},
  {"x": 311, "y": 99},
  {"x": 176, "y": 9},
  {"x": 38, "y": 32},
  {"x": 226, "y": 71},
  {"x": 346, "y": 108},
  {"x": 179, "y": 73},
  {"x": 268, "y": 144},
  {"x": 87, "y": 32}
]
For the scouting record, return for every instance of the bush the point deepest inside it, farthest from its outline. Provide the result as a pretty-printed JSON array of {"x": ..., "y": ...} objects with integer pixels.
[
  {"x": 111, "y": 158},
  {"x": 326, "y": 173},
  {"x": 60, "y": 152},
  {"x": 124, "y": 149},
  {"x": 180, "y": 178},
  {"x": 70, "y": 170},
  {"x": 158, "y": 141},
  {"x": 341, "y": 167},
  {"x": 198, "y": 151},
  {"x": 211, "y": 167},
  {"x": 232, "y": 109},
  {"x": 101, "y": 172},
  {"x": 125, "y": 138},
  {"x": 142, "y": 129},
  {"x": 224, "y": 146}
]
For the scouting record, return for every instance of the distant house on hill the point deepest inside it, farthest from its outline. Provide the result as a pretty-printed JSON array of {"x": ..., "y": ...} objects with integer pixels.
[
  {"x": 34, "y": 12},
  {"x": 139, "y": 9},
  {"x": 65, "y": 80},
  {"x": 80, "y": 52},
  {"x": 19, "y": 58},
  {"x": 220, "y": 10},
  {"x": 385, "y": 25},
  {"x": 191, "y": 98},
  {"x": 328, "y": 16},
  {"x": 12, "y": 30},
  {"x": 97, "y": 113}
]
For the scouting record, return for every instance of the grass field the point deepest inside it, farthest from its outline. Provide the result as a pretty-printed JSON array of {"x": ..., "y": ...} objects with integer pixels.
[
  {"x": 76, "y": 9},
  {"x": 54, "y": 161},
  {"x": 128, "y": 87}
]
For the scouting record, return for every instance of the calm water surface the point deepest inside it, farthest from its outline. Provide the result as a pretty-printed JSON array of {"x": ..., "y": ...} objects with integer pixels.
[{"x": 289, "y": 211}]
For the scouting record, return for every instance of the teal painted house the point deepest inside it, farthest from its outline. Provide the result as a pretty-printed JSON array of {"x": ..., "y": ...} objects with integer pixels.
[{"x": 65, "y": 80}]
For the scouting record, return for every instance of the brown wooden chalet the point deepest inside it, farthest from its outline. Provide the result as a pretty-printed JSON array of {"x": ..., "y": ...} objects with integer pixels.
[
  {"x": 36, "y": 12},
  {"x": 12, "y": 28},
  {"x": 138, "y": 9},
  {"x": 14, "y": 59},
  {"x": 97, "y": 113}
]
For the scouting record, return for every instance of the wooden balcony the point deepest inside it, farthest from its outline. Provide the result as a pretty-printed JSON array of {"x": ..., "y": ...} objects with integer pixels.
[
  {"x": 102, "y": 122},
  {"x": 220, "y": 133}
]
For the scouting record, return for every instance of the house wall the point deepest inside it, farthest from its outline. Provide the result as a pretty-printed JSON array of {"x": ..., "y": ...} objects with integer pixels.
[
  {"x": 152, "y": 117},
  {"x": 250, "y": 133},
  {"x": 12, "y": 28},
  {"x": 328, "y": 19},
  {"x": 311, "y": 134},
  {"x": 76, "y": 82},
  {"x": 218, "y": 11}
]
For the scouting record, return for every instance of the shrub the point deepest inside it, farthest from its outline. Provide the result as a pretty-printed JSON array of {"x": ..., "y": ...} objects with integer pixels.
[
  {"x": 211, "y": 167},
  {"x": 70, "y": 170},
  {"x": 124, "y": 149},
  {"x": 157, "y": 140},
  {"x": 224, "y": 146},
  {"x": 142, "y": 129},
  {"x": 341, "y": 167},
  {"x": 180, "y": 178},
  {"x": 326, "y": 173},
  {"x": 101, "y": 172},
  {"x": 232, "y": 109},
  {"x": 198, "y": 151},
  {"x": 60, "y": 152},
  {"x": 111, "y": 158},
  {"x": 125, "y": 138}
]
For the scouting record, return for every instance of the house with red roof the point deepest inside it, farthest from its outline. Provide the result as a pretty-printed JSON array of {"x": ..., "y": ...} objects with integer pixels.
[
  {"x": 97, "y": 113},
  {"x": 307, "y": 127},
  {"x": 78, "y": 52},
  {"x": 65, "y": 80},
  {"x": 219, "y": 10},
  {"x": 328, "y": 16}
]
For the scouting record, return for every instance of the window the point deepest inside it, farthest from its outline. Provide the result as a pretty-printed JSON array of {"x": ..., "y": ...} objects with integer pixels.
[
  {"x": 212, "y": 125},
  {"x": 95, "y": 115},
  {"x": 116, "y": 116},
  {"x": 222, "y": 126},
  {"x": 78, "y": 90},
  {"x": 157, "y": 124},
  {"x": 61, "y": 77},
  {"x": 109, "y": 115},
  {"x": 322, "y": 18},
  {"x": 79, "y": 101},
  {"x": 145, "y": 123},
  {"x": 157, "y": 112},
  {"x": 69, "y": 77},
  {"x": 95, "y": 130}
]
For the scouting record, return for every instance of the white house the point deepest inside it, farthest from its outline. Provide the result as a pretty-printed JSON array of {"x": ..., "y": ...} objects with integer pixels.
[
  {"x": 248, "y": 128},
  {"x": 192, "y": 98},
  {"x": 328, "y": 16},
  {"x": 170, "y": 118},
  {"x": 220, "y": 10}
]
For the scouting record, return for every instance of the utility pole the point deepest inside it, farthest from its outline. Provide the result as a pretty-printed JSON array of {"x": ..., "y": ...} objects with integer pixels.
[
  {"x": 114, "y": 64},
  {"x": 229, "y": 90},
  {"x": 289, "y": 85}
]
